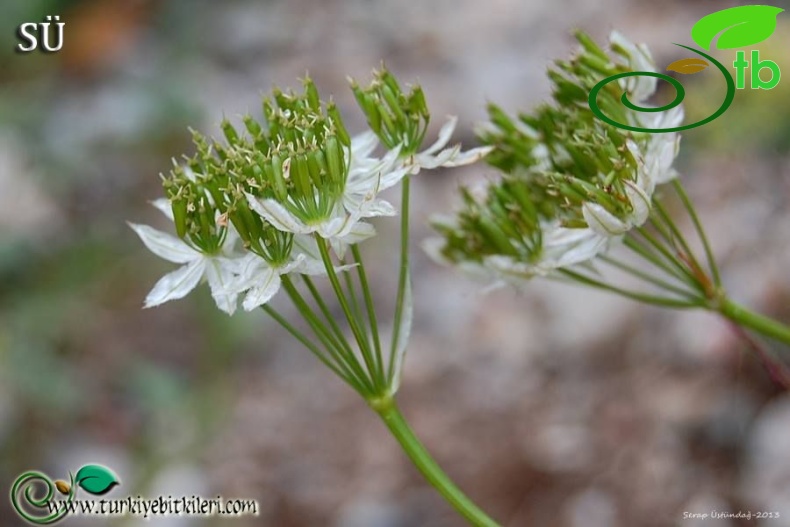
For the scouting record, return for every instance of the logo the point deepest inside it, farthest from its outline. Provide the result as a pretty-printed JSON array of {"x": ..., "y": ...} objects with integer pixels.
[
  {"x": 736, "y": 27},
  {"x": 38, "y": 491},
  {"x": 41, "y": 501}
]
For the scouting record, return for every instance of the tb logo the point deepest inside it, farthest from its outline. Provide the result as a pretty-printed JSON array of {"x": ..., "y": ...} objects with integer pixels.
[
  {"x": 736, "y": 27},
  {"x": 757, "y": 66},
  {"x": 30, "y": 33}
]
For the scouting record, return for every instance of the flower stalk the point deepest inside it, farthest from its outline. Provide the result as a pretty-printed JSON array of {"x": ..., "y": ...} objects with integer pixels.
[{"x": 389, "y": 412}]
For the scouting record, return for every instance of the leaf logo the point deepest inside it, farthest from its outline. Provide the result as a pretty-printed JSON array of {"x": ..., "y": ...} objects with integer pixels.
[
  {"x": 688, "y": 66},
  {"x": 96, "y": 479},
  {"x": 738, "y": 26}
]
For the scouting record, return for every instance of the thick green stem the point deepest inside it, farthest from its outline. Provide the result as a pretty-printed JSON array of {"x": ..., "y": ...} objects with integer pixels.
[
  {"x": 390, "y": 414},
  {"x": 755, "y": 321}
]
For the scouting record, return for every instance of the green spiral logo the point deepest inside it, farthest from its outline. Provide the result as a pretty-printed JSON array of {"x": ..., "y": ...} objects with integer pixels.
[
  {"x": 28, "y": 486},
  {"x": 680, "y": 94},
  {"x": 731, "y": 28}
]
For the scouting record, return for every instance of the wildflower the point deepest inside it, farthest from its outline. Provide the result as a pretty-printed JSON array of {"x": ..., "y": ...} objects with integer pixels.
[
  {"x": 218, "y": 268},
  {"x": 260, "y": 279},
  {"x": 401, "y": 121}
]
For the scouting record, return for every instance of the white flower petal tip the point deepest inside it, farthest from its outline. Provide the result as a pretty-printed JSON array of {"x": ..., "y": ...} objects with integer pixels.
[
  {"x": 469, "y": 157},
  {"x": 164, "y": 245},
  {"x": 164, "y": 206},
  {"x": 445, "y": 133},
  {"x": 176, "y": 285},
  {"x": 277, "y": 215},
  {"x": 267, "y": 284}
]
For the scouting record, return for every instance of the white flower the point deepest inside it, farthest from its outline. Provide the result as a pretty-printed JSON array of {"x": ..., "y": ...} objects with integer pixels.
[
  {"x": 437, "y": 155},
  {"x": 561, "y": 247},
  {"x": 218, "y": 270},
  {"x": 368, "y": 176},
  {"x": 603, "y": 222},
  {"x": 261, "y": 280},
  {"x": 341, "y": 228}
]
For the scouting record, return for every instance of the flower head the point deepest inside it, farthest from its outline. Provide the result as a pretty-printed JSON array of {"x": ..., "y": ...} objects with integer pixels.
[
  {"x": 401, "y": 121},
  {"x": 206, "y": 250},
  {"x": 572, "y": 184}
]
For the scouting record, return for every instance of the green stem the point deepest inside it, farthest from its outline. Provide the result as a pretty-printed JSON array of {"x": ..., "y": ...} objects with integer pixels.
[
  {"x": 403, "y": 277},
  {"x": 346, "y": 376},
  {"x": 370, "y": 306},
  {"x": 755, "y": 321},
  {"x": 359, "y": 335},
  {"x": 633, "y": 295},
  {"x": 661, "y": 284},
  {"x": 390, "y": 414},
  {"x": 687, "y": 203}
]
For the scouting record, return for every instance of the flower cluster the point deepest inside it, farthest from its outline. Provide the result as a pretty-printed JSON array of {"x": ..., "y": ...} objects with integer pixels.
[
  {"x": 572, "y": 184},
  {"x": 262, "y": 203}
]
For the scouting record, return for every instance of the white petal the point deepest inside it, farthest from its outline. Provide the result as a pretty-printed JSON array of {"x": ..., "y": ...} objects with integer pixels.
[
  {"x": 311, "y": 266},
  {"x": 165, "y": 245},
  {"x": 189, "y": 173},
  {"x": 470, "y": 156},
  {"x": 273, "y": 212},
  {"x": 221, "y": 280},
  {"x": 640, "y": 203},
  {"x": 165, "y": 207},
  {"x": 292, "y": 265},
  {"x": 564, "y": 247},
  {"x": 391, "y": 178},
  {"x": 404, "y": 332},
  {"x": 232, "y": 237},
  {"x": 358, "y": 233},
  {"x": 509, "y": 271},
  {"x": 363, "y": 144},
  {"x": 177, "y": 284},
  {"x": 266, "y": 287},
  {"x": 377, "y": 176},
  {"x": 307, "y": 245},
  {"x": 377, "y": 207},
  {"x": 335, "y": 227},
  {"x": 445, "y": 133},
  {"x": 640, "y": 88},
  {"x": 602, "y": 221},
  {"x": 430, "y": 162}
]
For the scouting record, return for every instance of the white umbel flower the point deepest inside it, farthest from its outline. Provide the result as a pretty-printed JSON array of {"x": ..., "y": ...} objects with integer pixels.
[{"x": 218, "y": 270}]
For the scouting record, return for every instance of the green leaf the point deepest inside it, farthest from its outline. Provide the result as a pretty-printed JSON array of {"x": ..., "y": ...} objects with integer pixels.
[
  {"x": 96, "y": 479},
  {"x": 741, "y": 26}
]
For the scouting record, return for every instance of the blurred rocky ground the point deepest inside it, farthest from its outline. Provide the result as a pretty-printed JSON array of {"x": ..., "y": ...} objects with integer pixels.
[{"x": 557, "y": 406}]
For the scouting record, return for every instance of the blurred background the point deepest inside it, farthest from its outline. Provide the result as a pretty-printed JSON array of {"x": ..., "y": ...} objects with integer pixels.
[{"x": 558, "y": 406}]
